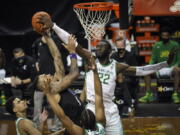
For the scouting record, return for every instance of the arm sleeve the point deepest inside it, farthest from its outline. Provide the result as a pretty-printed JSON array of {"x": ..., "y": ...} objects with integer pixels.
[
  {"x": 149, "y": 69},
  {"x": 62, "y": 34}
]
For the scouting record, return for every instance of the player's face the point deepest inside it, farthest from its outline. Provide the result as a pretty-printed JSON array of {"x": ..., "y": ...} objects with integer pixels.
[
  {"x": 18, "y": 55},
  {"x": 165, "y": 36},
  {"x": 120, "y": 46},
  {"x": 102, "y": 50},
  {"x": 19, "y": 105}
]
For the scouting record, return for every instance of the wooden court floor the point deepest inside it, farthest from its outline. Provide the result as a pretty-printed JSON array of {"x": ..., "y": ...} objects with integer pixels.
[
  {"x": 152, "y": 126},
  {"x": 132, "y": 126}
]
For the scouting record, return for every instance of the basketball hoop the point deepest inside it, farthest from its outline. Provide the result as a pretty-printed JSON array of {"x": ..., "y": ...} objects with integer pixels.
[
  {"x": 93, "y": 17},
  {"x": 116, "y": 9}
]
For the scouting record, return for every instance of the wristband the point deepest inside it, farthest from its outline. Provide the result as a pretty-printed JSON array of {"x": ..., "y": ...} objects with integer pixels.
[{"x": 73, "y": 56}]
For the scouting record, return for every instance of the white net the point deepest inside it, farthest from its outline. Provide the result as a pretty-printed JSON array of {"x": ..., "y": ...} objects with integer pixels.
[{"x": 93, "y": 22}]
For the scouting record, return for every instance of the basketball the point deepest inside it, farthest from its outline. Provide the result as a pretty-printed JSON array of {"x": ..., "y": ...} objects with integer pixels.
[{"x": 38, "y": 26}]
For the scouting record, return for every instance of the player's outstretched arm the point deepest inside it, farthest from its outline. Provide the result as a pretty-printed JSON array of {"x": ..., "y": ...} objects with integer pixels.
[
  {"x": 59, "y": 67},
  {"x": 63, "y": 35},
  {"x": 142, "y": 70},
  {"x": 149, "y": 69},
  {"x": 99, "y": 106},
  {"x": 58, "y": 86},
  {"x": 83, "y": 93}
]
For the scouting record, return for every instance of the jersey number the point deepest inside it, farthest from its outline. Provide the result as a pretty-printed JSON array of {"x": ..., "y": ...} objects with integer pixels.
[{"x": 104, "y": 78}]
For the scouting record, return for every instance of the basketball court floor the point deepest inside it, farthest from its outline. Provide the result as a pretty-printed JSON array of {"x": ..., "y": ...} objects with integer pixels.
[
  {"x": 157, "y": 118},
  {"x": 149, "y": 119}
]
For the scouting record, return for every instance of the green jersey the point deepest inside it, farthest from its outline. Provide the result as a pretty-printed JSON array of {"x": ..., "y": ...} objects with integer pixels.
[{"x": 160, "y": 52}]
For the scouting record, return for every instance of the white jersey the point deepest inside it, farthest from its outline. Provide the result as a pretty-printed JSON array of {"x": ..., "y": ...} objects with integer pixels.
[
  {"x": 17, "y": 122},
  {"x": 2, "y": 73},
  {"x": 107, "y": 75}
]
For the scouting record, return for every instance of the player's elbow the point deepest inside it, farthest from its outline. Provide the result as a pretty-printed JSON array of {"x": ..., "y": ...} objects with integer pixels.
[{"x": 102, "y": 120}]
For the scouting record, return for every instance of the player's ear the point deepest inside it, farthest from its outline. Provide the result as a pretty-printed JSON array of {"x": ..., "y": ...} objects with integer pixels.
[{"x": 15, "y": 110}]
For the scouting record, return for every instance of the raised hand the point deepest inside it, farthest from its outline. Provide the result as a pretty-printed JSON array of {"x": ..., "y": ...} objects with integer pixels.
[
  {"x": 45, "y": 85},
  {"x": 92, "y": 64},
  {"x": 15, "y": 81},
  {"x": 13, "y": 84},
  {"x": 71, "y": 46},
  {"x": 43, "y": 116},
  {"x": 172, "y": 54},
  {"x": 46, "y": 21}
]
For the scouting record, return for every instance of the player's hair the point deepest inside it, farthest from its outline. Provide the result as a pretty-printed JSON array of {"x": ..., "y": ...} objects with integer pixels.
[
  {"x": 107, "y": 43},
  {"x": 165, "y": 29},
  {"x": 10, "y": 105},
  {"x": 119, "y": 39},
  {"x": 88, "y": 119}
]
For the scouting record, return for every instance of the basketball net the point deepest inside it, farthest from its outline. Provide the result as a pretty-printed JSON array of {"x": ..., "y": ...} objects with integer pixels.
[{"x": 93, "y": 20}]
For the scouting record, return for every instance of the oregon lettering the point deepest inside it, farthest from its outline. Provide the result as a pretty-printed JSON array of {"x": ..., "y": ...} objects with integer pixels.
[{"x": 164, "y": 54}]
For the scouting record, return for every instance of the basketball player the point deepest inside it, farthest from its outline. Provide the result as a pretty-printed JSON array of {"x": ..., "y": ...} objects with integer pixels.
[
  {"x": 107, "y": 70},
  {"x": 90, "y": 124},
  {"x": 70, "y": 103},
  {"x": 24, "y": 126}
]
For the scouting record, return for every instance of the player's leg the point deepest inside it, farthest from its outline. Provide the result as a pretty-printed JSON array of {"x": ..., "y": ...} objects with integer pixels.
[
  {"x": 176, "y": 77},
  {"x": 113, "y": 122},
  {"x": 149, "y": 95},
  {"x": 38, "y": 101}
]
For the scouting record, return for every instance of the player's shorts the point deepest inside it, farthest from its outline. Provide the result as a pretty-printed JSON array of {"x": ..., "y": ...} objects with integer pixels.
[
  {"x": 164, "y": 72},
  {"x": 113, "y": 121}
]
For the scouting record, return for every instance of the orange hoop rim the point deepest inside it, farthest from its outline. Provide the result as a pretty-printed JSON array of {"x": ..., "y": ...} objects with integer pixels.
[
  {"x": 115, "y": 6},
  {"x": 95, "y": 6},
  {"x": 116, "y": 9}
]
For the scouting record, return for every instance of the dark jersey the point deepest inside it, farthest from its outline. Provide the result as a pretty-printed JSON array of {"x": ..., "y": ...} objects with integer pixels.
[
  {"x": 42, "y": 54},
  {"x": 128, "y": 58},
  {"x": 71, "y": 105},
  {"x": 23, "y": 67}
]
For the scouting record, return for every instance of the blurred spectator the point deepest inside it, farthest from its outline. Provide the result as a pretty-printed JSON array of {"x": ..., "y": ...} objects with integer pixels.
[
  {"x": 4, "y": 83},
  {"x": 160, "y": 53},
  {"x": 126, "y": 86},
  {"x": 43, "y": 57},
  {"x": 23, "y": 72}
]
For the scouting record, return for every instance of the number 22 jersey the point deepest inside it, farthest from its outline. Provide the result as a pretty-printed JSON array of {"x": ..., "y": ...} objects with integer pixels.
[{"x": 107, "y": 76}]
